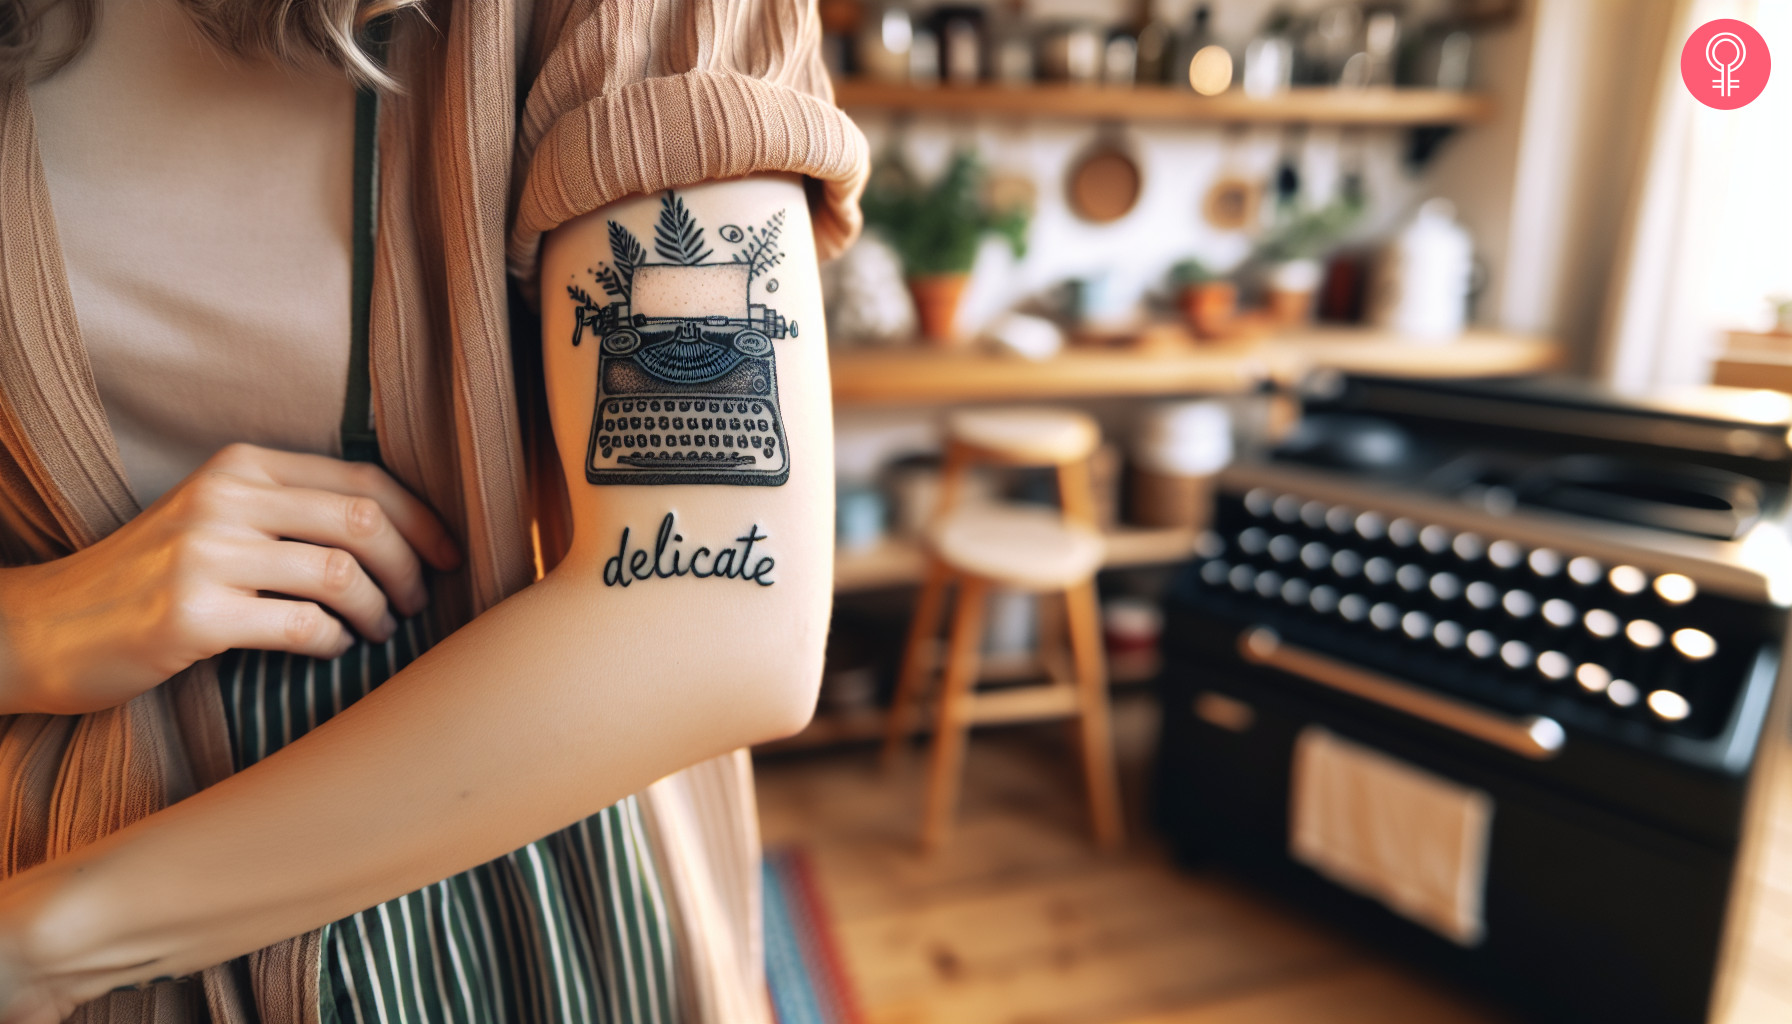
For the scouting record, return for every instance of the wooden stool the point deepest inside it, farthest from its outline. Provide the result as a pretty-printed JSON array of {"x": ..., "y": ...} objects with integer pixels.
[{"x": 1027, "y": 548}]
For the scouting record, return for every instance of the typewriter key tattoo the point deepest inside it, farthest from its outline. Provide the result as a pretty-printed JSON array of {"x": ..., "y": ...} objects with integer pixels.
[{"x": 687, "y": 382}]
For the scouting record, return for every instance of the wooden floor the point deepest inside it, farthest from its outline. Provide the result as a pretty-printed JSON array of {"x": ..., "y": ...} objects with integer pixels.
[{"x": 1020, "y": 921}]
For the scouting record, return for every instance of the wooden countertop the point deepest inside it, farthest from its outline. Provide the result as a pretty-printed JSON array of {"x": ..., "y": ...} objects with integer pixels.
[{"x": 917, "y": 374}]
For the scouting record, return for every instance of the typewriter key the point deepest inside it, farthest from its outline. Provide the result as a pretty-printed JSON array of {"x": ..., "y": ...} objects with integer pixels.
[
  {"x": 1670, "y": 706},
  {"x": 1694, "y": 643}
]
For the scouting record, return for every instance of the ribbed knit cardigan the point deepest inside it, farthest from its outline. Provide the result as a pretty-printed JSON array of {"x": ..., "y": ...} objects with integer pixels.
[{"x": 511, "y": 122}]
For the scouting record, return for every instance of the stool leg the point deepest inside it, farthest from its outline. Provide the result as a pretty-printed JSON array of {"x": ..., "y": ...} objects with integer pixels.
[
  {"x": 911, "y": 678},
  {"x": 1092, "y": 700},
  {"x": 952, "y": 722}
]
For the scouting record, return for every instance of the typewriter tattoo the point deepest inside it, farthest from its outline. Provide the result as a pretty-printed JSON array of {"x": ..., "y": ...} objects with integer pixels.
[{"x": 687, "y": 382}]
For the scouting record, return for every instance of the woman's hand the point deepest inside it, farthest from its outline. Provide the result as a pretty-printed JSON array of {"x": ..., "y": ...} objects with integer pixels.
[{"x": 192, "y": 577}]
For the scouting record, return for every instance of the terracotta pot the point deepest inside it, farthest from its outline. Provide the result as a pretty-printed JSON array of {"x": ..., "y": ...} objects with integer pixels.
[
  {"x": 1290, "y": 309},
  {"x": 936, "y": 304},
  {"x": 1209, "y": 306}
]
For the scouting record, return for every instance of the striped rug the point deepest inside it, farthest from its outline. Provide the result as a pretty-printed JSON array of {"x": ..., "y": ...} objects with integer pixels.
[{"x": 803, "y": 965}]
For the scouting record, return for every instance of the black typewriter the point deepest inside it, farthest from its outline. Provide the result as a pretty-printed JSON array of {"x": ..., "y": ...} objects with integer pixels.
[
  {"x": 687, "y": 381},
  {"x": 1571, "y": 601}
]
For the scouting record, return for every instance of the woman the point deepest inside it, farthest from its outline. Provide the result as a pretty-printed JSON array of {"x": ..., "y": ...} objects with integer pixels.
[{"x": 202, "y": 590}]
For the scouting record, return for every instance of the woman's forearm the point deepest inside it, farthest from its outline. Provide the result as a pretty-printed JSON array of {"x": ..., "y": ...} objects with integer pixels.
[{"x": 688, "y": 620}]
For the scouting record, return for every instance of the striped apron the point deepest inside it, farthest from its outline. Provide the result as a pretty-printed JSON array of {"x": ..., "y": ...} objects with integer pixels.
[{"x": 571, "y": 929}]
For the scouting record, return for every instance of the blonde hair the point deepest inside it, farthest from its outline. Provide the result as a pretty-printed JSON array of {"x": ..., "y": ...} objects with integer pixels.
[{"x": 296, "y": 32}]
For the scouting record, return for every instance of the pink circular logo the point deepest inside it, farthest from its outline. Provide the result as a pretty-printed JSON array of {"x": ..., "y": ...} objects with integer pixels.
[{"x": 1725, "y": 63}]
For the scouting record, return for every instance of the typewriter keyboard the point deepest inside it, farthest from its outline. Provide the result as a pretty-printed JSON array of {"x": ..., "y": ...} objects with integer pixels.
[
  {"x": 720, "y": 431},
  {"x": 1524, "y": 628}
]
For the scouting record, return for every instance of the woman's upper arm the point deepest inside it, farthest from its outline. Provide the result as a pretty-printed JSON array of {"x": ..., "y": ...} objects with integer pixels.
[{"x": 686, "y": 373}]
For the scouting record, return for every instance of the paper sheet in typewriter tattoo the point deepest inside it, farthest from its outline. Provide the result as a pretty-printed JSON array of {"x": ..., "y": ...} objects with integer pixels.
[{"x": 687, "y": 375}]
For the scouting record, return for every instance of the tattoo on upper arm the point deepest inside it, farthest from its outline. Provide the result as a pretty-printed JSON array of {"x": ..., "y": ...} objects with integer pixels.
[{"x": 687, "y": 381}]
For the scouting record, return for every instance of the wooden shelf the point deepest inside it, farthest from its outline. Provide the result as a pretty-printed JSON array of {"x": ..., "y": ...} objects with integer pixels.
[
  {"x": 1162, "y": 103},
  {"x": 896, "y": 562},
  {"x": 917, "y": 374}
]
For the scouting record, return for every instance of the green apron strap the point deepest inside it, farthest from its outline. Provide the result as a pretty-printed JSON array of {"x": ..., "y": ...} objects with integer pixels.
[{"x": 358, "y": 441}]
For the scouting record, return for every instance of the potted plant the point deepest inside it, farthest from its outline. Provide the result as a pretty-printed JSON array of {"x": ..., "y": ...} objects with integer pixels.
[
  {"x": 1208, "y": 303},
  {"x": 936, "y": 230},
  {"x": 1291, "y": 252}
]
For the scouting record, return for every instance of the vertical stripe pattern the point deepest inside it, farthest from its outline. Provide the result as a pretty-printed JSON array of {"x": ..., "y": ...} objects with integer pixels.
[{"x": 570, "y": 929}]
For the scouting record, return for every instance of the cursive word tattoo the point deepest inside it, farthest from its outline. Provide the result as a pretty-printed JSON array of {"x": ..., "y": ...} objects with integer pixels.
[{"x": 667, "y": 560}]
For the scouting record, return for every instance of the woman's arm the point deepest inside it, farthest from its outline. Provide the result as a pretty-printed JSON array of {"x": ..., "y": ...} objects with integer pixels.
[{"x": 688, "y": 620}]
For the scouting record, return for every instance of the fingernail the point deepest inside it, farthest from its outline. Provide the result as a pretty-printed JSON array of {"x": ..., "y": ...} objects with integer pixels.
[
  {"x": 388, "y": 626},
  {"x": 343, "y": 647}
]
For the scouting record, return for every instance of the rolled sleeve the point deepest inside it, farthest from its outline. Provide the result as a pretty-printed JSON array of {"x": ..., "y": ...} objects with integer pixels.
[{"x": 637, "y": 96}]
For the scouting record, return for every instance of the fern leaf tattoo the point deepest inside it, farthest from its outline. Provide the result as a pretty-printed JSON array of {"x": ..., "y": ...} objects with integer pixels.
[
  {"x": 677, "y": 238},
  {"x": 626, "y": 253},
  {"x": 761, "y": 253}
]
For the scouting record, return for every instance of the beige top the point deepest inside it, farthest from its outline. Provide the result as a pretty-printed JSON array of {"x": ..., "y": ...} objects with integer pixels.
[{"x": 204, "y": 207}]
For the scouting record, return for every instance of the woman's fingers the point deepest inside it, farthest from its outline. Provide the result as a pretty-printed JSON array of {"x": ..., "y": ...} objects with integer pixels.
[
  {"x": 355, "y": 524},
  {"x": 413, "y": 519},
  {"x": 328, "y": 576},
  {"x": 297, "y": 627}
]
